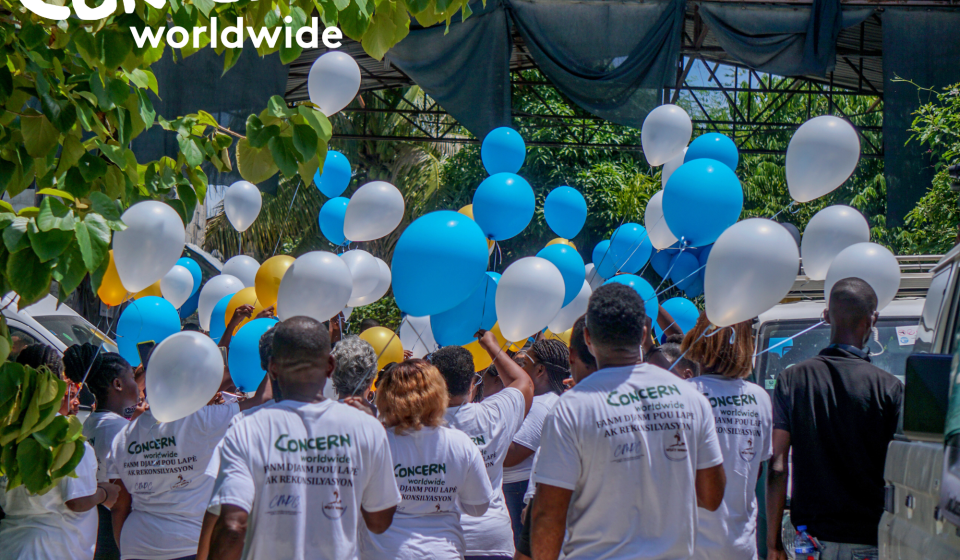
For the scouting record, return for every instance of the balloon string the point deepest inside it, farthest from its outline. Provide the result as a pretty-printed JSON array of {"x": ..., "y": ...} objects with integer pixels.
[
  {"x": 786, "y": 340},
  {"x": 640, "y": 244},
  {"x": 787, "y": 207},
  {"x": 678, "y": 282},
  {"x": 604, "y": 256},
  {"x": 497, "y": 261},
  {"x": 102, "y": 342},
  {"x": 283, "y": 227}
]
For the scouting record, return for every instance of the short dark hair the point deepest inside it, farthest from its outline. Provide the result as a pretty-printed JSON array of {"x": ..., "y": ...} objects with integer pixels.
[
  {"x": 616, "y": 316},
  {"x": 456, "y": 366},
  {"x": 578, "y": 344},
  {"x": 300, "y": 340},
  {"x": 674, "y": 353},
  {"x": 266, "y": 347},
  {"x": 368, "y": 323},
  {"x": 104, "y": 368},
  {"x": 853, "y": 298}
]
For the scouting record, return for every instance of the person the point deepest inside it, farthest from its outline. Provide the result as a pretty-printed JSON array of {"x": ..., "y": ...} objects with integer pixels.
[
  {"x": 668, "y": 353},
  {"x": 368, "y": 323},
  {"x": 412, "y": 399},
  {"x": 491, "y": 425},
  {"x": 298, "y": 478},
  {"x": 838, "y": 412},
  {"x": 41, "y": 355},
  {"x": 628, "y": 454},
  {"x": 356, "y": 367},
  {"x": 547, "y": 363},
  {"x": 744, "y": 417}
]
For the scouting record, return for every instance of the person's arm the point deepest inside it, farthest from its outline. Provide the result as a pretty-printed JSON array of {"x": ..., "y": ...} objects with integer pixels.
[
  {"x": 120, "y": 510},
  {"x": 229, "y": 532},
  {"x": 378, "y": 521},
  {"x": 710, "y": 484},
  {"x": 105, "y": 494},
  {"x": 239, "y": 314},
  {"x": 777, "y": 475},
  {"x": 667, "y": 324},
  {"x": 516, "y": 454},
  {"x": 264, "y": 393},
  {"x": 206, "y": 533},
  {"x": 510, "y": 372},
  {"x": 549, "y": 521}
]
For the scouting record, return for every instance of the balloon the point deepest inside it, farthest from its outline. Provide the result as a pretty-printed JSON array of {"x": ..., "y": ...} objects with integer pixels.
[
  {"x": 246, "y": 296},
  {"x": 457, "y": 326},
  {"x": 561, "y": 241},
  {"x": 529, "y": 295},
  {"x": 150, "y": 318},
  {"x": 592, "y": 277},
  {"x": 570, "y": 265},
  {"x": 684, "y": 270},
  {"x": 241, "y": 204},
  {"x": 333, "y": 82},
  {"x": 331, "y": 219},
  {"x": 364, "y": 271},
  {"x": 752, "y": 266},
  {"x": 704, "y": 255},
  {"x": 177, "y": 286},
  {"x": 685, "y": 314},
  {"x": 661, "y": 260},
  {"x": 822, "y": 154},
  {"x": 317, "y": 285},
  {"x": 669, "y": 168},
  {"x": 696, "y": 287},
  {"x": 189, "y": 307},
  {"x": 481, "y": 359},
  {"x": 195, "y": 272},
  {"x": 347, "y": 312},
  {"x": 185, "y": 372},
  {"x": 269, "y": 275},
  {"x": 242, "y": 268},
  {"x": 563, "y": 337},
  {"x": 111, "y": 291},
  {"x": 383, "y": 284},
  {"x": 503, "y": 205},
  {"x": 643, "y": 288},
  {"x": 665, "y": 133},
  {"x": 468, "y": 212},
  {"x": 150, "y": 246},
  {"x": 569, "y": 313},
  {"x": 716, "y": 147},
  {"x": 374, "y": 211},
  {"x": 660, "y": 235},
  {"x": 630, "y": 249},
  {"x": 437, "y": 263},
  {"x": 213, "y": 291},
  {"x": 416, "y": 336},
  {"x": 702, "y": 199},
  {"x": 502, "y": 151},
  {"x": 793, "y": 231},
  {"x": 600, "y": 253},
  {"x": 153, "y": 290},
  {"x": 386, "y": 344},
  {"x": 565, "y": 211},
  {"x": 830, "y": 231},
  {"x": 335, "y": 176},
  {"x": 872, "y": 263},
  {"x": 218, "y": 325},
  {"x": 244, "y": 356}
]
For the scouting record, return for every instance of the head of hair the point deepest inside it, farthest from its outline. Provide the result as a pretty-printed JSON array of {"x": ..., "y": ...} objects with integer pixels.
[
  {"x": 368, "y": 323},
  {"x": 555, "y": 357},
  {"x": 356, "y": 366},
  {"x": 266, "y": 347},
  {"x": 851, "y": 301},
  {"x": 578, "y": 345},
  {"x": 727, "y": 351},
  {"x": 671, "y": 350},
  {"x": 104, "y": 367},
  {"x": 300, "y": 342},
  {"x": 412, "y": 395},
  {"x": 455, "y": 364},
  {"x": 37, "y": 355},
  {"x": 616, "y": 317}
]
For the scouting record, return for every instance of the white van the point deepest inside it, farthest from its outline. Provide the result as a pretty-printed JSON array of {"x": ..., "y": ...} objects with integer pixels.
[{"x": 47, "y": 323}]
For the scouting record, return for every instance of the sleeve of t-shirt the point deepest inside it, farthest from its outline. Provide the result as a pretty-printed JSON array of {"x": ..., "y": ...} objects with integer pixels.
[
  {"x": 234, "y": 484},
  {"x": 508, "y": 405},
  {"x": 767, "y": 428},
  {"x": 111, "y": 464},
  {"x": 380, "y": 491},
  {"x": 709, "y": 453},
  {"x": 782, "y": 404},
  {"x": 476, "y": 489},
  {"x": 559, "y": 461},
  {"x": 214, "y": 419},
  {"x": 530, "y": 431},
  {"x": 86, "y": 482}
]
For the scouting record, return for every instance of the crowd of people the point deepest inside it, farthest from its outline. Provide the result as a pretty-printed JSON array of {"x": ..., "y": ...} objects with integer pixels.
[{"x": 611, "y": 447}]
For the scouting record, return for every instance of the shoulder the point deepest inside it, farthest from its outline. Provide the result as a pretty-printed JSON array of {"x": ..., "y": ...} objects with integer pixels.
[{"x": 509, "y": 397}]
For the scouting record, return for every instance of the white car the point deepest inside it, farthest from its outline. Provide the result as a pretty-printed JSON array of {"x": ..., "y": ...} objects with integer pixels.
[{"x": 47, "y": 323}]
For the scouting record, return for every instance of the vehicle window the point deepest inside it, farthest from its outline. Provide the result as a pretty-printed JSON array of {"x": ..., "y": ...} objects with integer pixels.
[
  {"x": 74, "y": 330},
  {"x": 926, "y": 330},
  {"x": 20, "y": 340}
]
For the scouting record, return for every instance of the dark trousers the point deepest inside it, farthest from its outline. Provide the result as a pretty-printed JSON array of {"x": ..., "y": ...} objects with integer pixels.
[
  {"x": 513, "y": 496},
  {"x": 106, "y": 545}
]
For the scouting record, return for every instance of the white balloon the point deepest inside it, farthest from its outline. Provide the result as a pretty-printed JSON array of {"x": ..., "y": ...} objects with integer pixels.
[
  {"x": 416, "y": 335},
  {"x": 822, "y": 154},
  {"x": 383, "y": 284},
  {"x": 347, "y": 312},
  {"x": 242, "y": 203},
  {"x": 333, "y": 82},
  {"x": 593, "y": 277},
  {"x": 670, "y": 167},
  {"x": 317, "y": 285},
  {"x": 752, "y": 266},
  {"x": 150, "y": 246},
  {"x": 665, "y": 133},
  {"x": 572, "y": 311},
  {"x": 364, "y": 271},
  {"x": 660, "y": 235},
  {"x": 212, "y": 292},
  {"x": 529, "y": 294},
  {"x": 177, "y": 286},
  {"x": 374, "y": 211},
  {"x": 830, "y": 231},
  {"x": 872, "y": 263},
  {"x": 243, "y": 268},
  {"x": 184, "y": 373}
]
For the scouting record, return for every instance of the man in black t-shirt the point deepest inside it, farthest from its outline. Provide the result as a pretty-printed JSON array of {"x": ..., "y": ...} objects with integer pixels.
[{"x": 838, "y": 412}]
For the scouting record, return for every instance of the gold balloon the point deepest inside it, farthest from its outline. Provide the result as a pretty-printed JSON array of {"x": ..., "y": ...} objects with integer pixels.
[
  {"x": 246, "y": 296},
  {"x": 468, "y": 212},
  {"x": 481, "y": 360},
  {"x": 563, "y": 337},
  {"x": 111, "y": 290},
  {"x": 386, "y": 344},
  {"x": 268, "y": 278},
  {"x": 561, "y": 241},
  {"x": 151, "y": 290}
]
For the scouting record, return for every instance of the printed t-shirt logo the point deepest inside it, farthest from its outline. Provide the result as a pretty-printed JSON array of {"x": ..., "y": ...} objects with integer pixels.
[
  {"x": 334, "y": 509},
  {"x": 181, "y": 483},
  {"x": 747, "y": 453},
  {"x": 677, "y": 450}
]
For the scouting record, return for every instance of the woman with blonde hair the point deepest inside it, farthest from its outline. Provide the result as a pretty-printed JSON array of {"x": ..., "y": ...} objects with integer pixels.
[
  {"x": 439, "y": 471},
  {"x": 744, "y": 419}
]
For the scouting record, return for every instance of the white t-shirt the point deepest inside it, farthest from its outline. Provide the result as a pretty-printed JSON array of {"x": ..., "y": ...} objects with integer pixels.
[
  {"x": 303, "y": 471},
  {"x": 100, "y": 428},
  {"x": 213, "y": 467},
  {"x": 628, "y": 442},
  {"x": 162, "y": 466},
  {"x": 437, "y": 470},
  {"x": 531, "y": 485},
  {"x": 529, "y": 435},
  {"x": 743, "y": 415},
  {"x": 43, "y": 526},
  {"x": 491, "y": 425}
]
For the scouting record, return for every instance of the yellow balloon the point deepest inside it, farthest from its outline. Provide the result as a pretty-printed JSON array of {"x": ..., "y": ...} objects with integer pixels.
[
  {"x": 563, "y": 337},
  {"x": 246, "y": 296},
  {"x": 561, "y": 241},
  {"x": 111, "y": 290},
  {"x": 386, "y": 344},
  {"x": 468, "y": 212},
  {"x": 481, "y": 360},
  {"x": 151, "y": 290},
  {"x": 268, "y": 278}
]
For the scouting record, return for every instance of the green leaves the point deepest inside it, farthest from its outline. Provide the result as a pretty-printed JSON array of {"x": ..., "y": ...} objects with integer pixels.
[
  {"x": 389, "y": 25},
  {"x": 55, "y": 215},
  {"x": 29, "y": 277},
  {"x": 93, "y": 236},
  {"x": 283, "y": 155},
  {"x": 255, "y": 164},
  {"x": 48, "y": 244},
  {"x": 257, "y": 134},
  {"x": 317, "y": 120},
  {"x": 39, "y": 135},
  {"x": 305, "y": 141}
]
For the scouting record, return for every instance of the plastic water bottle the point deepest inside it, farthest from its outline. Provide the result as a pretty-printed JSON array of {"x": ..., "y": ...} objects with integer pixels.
[{"x": 803, "y": 545}]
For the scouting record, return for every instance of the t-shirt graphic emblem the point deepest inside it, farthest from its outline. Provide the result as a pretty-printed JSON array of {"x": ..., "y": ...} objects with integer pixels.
[
  {"x": 181, "y": 483},
  {"x": 334, "y": 509},
  {"x": 747, "y": 453},
  {"x": 676, "y": 451}
]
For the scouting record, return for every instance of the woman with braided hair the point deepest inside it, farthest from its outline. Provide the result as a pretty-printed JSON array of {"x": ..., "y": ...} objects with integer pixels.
[{"x": 547, "y": 362}]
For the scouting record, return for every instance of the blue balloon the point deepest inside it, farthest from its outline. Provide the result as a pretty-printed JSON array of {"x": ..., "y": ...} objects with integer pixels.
[
  {"x": 148, "y": 318},
  {"x": 570, "y": 264},
  {"x": 218, "y": 324},
  {"x": 600, "y": 251},
  {"x": 696, "y": 288},
  {"x": 630, "y": 249},
  {"x": 503, "y": 205},
  {"x": 194, "y": 268},
  {"x": 565, "y": 211},
  {"x": 503, "y": 151},
  {"x": 439, "y": 260},
  {"x": 701, "y": 199},
  {"x": 713, "y": 146},
  {"x": 336, "y": 174},
  {"x": 684, "y": 269},
  {"x": 244, "y": 355},
  {"x": 331, "y": 219},
  {"x": 705, "y": 254},
  {"x": 685, "y": 314},
  {"x": 643, "y": 288},
  {"x": 457, "y": 326},
  {"x": 660, "y": 261},
  {"x": 189, "y": 306}
]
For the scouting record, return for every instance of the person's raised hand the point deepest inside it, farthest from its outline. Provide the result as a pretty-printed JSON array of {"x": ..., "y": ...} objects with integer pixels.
[
  {"x": 267, "y": 313},
  {"x": 487, "y": 341},
  {"x": 359, "y": 404},
  {"x": 243, "y": 312},
  {"x": 407, "y": 354}
]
